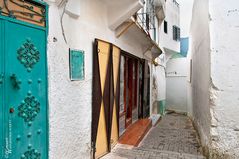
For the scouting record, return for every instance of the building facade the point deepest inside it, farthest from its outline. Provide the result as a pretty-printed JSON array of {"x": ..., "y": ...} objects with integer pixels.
[
  {"x": 170, "y": 32},
  {"x": 214, "y": 45},
  {"x": 88, "y": 66},
  {"x": 170, "y": 84}
]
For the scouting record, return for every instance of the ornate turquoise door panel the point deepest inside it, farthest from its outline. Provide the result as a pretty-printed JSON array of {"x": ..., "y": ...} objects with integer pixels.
[
  {"x": 1, "y": 89},
  {"x": 25, "y": 92}
]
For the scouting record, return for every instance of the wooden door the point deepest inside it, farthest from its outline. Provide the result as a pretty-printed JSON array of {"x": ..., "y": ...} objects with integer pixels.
[
  {"x": 141, "y": 89},
  {"x": 101, "y": 108},
  {"x": 105, "y": 110},
  {"x": 116, "y": 87},
  {"x": 122, "y": 111},
  {"x": 135, "y": 91},
  {"x": 129, "y": 91},
  {"x": 146, "y": 95}
]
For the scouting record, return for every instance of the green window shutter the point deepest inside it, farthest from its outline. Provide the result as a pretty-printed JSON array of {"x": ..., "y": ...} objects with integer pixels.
[
  {"x": 174, "y": 33},
  {"x": 178, "y": 34}
]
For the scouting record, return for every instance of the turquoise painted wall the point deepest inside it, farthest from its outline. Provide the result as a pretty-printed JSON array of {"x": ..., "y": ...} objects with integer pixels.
[{"x": 184, "y": 42}]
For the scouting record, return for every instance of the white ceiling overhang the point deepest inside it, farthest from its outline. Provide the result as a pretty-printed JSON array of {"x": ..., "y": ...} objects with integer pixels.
[
  {"x": 160, "y": 9},
  {"x": 120, "y": 11},
  {"x": 150, "y": 48}
]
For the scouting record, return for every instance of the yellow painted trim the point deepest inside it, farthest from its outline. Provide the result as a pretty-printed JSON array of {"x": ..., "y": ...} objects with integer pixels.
[{"x": 101, "y": 140}]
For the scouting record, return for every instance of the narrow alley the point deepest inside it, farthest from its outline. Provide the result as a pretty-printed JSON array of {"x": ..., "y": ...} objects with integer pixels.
[
  {"x": 119, "y": 79},
  {"x": 174, "y": 137}
]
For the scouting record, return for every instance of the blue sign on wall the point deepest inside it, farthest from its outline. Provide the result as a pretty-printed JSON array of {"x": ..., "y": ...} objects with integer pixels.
[{"x": 77, "y": 65}]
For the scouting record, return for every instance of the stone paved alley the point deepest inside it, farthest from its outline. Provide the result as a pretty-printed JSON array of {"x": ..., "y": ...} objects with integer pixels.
[{"x": 174, "y": 137}]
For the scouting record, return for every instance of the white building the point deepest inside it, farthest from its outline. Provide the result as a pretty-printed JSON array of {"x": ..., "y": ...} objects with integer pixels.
[
  {"x": 169, "y": 35},
  {"x": 80, "y": 23},
  {"x": 214, "y": 55},
  {"x": 171, "y": 71}
]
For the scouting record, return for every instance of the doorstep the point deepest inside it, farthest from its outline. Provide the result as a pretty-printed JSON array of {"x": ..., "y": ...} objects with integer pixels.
[
  {"x": 136, "y": 132},
  {"x": 155, "y": 119}
]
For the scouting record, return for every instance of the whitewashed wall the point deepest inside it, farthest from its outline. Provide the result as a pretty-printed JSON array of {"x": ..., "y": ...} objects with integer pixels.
[
  {"x": 200, "y": 49},
  {"x": 172, "y": 16},
  {"x": 70, "y": 103},
  {"x": 160, "y": 73},
  {"x": 185, "y": 16},
  {"x": 176, "y": 85},
  {"x": 216, "y": 57},
  {"x": 159, "y": 84},
  {"x": 224, "y": 31}
]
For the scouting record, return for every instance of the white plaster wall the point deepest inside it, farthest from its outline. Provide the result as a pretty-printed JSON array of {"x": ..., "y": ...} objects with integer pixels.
[
  {"x": 70, "y": 102},
  {"x": 166, "y": 40},
  {"x": 172, "y": 16},
  {"x": 161, "y": 83},
  {"x": 220, "y": 51},
  {"x": 176, "y": 94},
  {"x": 158, "y": 87},
  {"x": 160, "y": 76},
  {"x": 176, "y": 85},
  {"x": 200, "y": 49},
  {"x": 69, "y": 129},
  {"x": 177, "y": 67},
  {"x": 189, "y": 81},
  {"x": 224, "y": 31},
  {"x": 185, "y": 16}
]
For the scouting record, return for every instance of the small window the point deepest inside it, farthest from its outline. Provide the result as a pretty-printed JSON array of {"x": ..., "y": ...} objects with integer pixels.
[
  {"x": 166, "y": 27},
  {"x": 176, "y": 33}
]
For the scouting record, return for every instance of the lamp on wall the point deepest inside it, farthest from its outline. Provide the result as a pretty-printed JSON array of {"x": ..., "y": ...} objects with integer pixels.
[{"x": 155, "y": 62}]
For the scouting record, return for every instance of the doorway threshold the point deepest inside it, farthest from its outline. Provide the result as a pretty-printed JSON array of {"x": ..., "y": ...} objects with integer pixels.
[{"x": 135, "y": 133}]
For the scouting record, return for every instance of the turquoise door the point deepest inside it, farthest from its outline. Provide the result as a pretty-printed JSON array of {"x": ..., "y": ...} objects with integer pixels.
[
  {"x": 1, "y": 91},
  {"x": 23, "y": 92}
]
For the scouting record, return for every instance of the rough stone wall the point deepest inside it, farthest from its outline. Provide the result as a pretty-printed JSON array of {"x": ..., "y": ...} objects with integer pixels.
[
  {"x": 219, "y": 55},
  {"x": 200, "y": 52},
  {"x": 224, "y": 31}
]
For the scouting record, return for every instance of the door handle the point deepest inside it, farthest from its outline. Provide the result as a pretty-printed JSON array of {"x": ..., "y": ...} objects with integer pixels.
[
  {"x": 1, "y": 78},
  {"x": 15, "y": 81}
]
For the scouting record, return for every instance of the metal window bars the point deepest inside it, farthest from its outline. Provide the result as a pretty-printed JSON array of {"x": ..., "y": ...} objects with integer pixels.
[
  {"x": 176, "y": 3},
  {"x": 145, "y": 21}
]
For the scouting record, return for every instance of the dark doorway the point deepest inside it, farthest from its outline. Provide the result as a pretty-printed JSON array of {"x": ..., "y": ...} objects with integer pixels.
[{"x": 129, "y": 88}]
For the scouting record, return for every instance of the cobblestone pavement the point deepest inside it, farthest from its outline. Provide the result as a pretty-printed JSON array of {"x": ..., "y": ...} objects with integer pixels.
[{"x": 173, "y": 138}]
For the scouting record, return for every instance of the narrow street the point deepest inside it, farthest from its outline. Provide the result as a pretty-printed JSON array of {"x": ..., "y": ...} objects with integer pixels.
[
  {"x": 119, "y": 79},
  {"x": 174, "y": 137}
]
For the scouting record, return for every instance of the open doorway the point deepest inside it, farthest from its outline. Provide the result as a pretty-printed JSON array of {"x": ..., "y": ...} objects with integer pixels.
[{"x": 129, "y": 92}]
